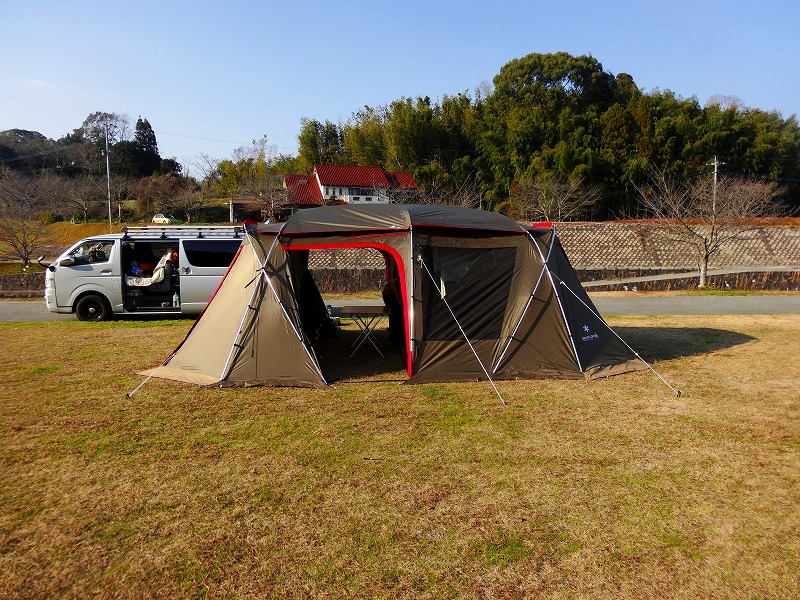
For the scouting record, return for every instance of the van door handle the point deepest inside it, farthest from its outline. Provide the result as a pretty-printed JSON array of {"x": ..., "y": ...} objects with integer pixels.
[
  {"x": 105, "y": 271},
  {"x": 186, "y": 271}
]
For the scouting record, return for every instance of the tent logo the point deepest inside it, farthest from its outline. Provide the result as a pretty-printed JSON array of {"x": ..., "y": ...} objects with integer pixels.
[{"x": 591, "y": 336}]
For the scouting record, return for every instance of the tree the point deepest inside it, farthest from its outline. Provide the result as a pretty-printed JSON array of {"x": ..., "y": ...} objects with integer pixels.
[
  {"x": 22, "y": 200},
  {"x": 155, "y": 193},
  {"x": 710, "y": 213},
  {"x": 363, "y": 138},
  {"x": 27, "y": 151},
  {"x": 187, "y": 202},
  {"x": 549, "y": 198},
  {"x": 437, "y": 191},
  {"x": 82, "y": 192},
  {"x": 144, "y": 140},
  {"x": 319, "y": 143},
  {"x": 100, "y": 124},
  {"x": 137, "y": 157}
]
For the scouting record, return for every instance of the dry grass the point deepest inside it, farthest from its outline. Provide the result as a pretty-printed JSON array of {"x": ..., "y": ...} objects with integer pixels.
[{"x": 613, "y": 488}]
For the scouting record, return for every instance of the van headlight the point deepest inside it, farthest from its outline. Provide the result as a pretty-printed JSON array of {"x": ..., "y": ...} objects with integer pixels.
[{"x": 49, "y": 283}]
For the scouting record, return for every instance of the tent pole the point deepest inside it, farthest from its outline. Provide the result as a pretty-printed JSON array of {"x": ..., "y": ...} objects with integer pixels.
[
  {"x": 235, "y": 344},
  {"x": 412, "y": 345},
  {"x": 249, "y": 308},
  {"x": 528, "y": 304},
  {"x": 285, "y": 312},
  {"x": 558, "y": 299},
  {"x": 636, "y": 354},
  {"x": 496, "y": 391}
]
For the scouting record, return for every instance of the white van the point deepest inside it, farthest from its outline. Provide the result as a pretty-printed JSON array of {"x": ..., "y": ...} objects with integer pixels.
[{"x": 159, "y": 270}]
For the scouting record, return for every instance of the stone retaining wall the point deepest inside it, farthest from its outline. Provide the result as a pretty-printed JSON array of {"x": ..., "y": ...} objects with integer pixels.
[
  {"x": 597, "y": 251},
  {"x": 353, "y": 281},
  {"x": 349, "y": 281},
  {"x": 22, "y": 285}
]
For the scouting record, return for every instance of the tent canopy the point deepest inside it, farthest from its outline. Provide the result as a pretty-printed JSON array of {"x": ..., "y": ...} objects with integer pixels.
[{"x": 478, "y": 293}]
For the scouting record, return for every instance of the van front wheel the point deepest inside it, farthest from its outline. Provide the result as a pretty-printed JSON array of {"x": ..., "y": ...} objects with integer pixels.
[{"x": 93, "y": 308}]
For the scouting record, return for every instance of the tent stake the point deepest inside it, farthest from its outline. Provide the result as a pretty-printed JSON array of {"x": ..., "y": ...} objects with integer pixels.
[
  {"x": 496, "y": 391},
  {"x": 149, "y": 377},
  {"x": 636, "y": 354}
]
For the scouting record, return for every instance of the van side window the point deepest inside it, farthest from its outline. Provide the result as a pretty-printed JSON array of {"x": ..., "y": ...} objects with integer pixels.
[{"x": 210, "y": 253}]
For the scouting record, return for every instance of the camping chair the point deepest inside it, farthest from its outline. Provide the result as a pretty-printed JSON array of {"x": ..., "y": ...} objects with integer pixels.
[{"x": 159, "y": 282}]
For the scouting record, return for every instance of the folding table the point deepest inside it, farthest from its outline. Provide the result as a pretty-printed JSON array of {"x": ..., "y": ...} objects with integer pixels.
[{"x": 367, "y": 318}]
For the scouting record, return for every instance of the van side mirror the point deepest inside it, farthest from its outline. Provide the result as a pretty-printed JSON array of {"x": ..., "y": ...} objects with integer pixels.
[{"x": 67, "y": 262}]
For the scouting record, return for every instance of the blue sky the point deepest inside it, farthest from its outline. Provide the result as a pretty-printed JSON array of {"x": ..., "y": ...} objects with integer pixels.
[{"x": 212, "y": 76}]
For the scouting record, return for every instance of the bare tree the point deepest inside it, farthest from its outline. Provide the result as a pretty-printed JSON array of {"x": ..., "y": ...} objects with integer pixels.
[
  {"x": 99, "y": 124},
  {"x": 268, "y": 192},
  {"x": 153, "y": 193},
  {"x": 465, "y": 194},
  {"x": 709, "y": 214},
  {"x": 187, "y": 202},
  {"x": 21, "y": 229},
  {"x": 549, "y": 198},
  {"x": 84, "y": 192}
]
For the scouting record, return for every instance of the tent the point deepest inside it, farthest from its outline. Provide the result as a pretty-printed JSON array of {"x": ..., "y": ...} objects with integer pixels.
[{"x": 481, "y": 297}]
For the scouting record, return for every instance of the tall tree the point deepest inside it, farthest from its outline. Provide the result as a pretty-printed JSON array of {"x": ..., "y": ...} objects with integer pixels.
[
  {"x": 320, "y": 143},
  {"x": 146, "y": 146},
  {"x": 363, "y": 138}
]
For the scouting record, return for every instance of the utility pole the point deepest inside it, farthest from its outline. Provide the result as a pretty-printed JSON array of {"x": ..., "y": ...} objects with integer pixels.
[
  {"x": 108, "y": 180},
  {"x": 716, "y": 165}
]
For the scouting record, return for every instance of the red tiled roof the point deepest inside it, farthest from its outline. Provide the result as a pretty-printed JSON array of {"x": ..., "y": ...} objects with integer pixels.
[
  {"x": 303, "y": 189},
  {"x": 402, "y": 179},
  {"x": 351, "y": 175}
]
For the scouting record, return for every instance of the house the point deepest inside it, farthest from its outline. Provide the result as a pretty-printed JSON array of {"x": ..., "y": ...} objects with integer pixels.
[{"x": 346, "y": 184}]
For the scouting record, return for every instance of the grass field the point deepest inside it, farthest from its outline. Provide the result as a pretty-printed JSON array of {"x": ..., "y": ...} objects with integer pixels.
[{"x": 614, "y": 488}]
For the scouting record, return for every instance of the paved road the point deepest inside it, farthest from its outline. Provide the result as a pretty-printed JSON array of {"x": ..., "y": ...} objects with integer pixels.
[{"x": 645, "y": 304}]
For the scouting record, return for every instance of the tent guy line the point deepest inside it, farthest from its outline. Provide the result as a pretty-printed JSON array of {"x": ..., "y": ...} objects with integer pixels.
[
  {"x": 471, "y": 347},
  {"x": 649, "y": 366}
]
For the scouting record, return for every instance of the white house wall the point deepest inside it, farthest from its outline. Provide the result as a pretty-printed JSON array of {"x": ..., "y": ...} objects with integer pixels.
[{"x": 378, "y": 195}]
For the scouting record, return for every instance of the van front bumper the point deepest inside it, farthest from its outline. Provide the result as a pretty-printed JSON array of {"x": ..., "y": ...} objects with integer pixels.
[{"x": 50, "y": 302}]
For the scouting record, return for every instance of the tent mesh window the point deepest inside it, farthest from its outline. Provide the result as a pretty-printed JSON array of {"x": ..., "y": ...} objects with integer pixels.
[{"x": 475, "y": 282}]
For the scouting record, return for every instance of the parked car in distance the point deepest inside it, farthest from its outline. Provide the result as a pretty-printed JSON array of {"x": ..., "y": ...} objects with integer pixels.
[{"x": 163, "y": 219}]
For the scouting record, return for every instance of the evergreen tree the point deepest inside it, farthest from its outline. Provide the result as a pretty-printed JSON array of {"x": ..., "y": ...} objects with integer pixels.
[{"x": 148, "y": 161}]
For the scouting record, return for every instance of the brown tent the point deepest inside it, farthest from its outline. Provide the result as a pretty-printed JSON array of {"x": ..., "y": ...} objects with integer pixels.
[{"x": 481, "y": 297}]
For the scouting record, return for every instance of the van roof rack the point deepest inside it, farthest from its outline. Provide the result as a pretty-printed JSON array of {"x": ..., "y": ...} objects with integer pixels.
[{"x": 163, "y": 231}]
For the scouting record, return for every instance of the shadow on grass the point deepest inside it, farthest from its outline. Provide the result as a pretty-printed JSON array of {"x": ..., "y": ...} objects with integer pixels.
[
  {"x": 651, "y": 343},
  {"x": 667, "y": 343}
]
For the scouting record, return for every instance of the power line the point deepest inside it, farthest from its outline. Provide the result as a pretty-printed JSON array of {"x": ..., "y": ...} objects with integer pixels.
[{"x": 43, "y": 152}]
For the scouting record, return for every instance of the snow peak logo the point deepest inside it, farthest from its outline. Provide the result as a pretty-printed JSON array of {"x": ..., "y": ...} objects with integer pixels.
[{"x": 589, "y": 336}]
